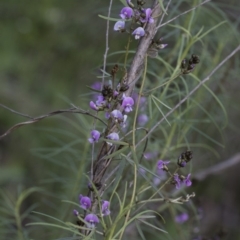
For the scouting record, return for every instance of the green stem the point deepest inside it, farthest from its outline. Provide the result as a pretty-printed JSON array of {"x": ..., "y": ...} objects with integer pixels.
[{"x": 138, "y": 103}]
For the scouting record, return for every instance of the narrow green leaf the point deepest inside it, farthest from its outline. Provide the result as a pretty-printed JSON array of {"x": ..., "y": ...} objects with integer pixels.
[
  {"x": 108, "y": 18},
  {"x": 211, "y": 29},
  {"x": 160, "y": 111},
  {"x": 116, "y": 142},
  {"x": 152, "y": 226},
  {"x": 116, "y": 153},
  {"x": 161, "y": 102}
]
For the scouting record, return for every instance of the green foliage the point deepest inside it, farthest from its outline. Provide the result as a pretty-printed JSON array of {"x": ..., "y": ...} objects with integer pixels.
[{"x": 52, "y": 52}]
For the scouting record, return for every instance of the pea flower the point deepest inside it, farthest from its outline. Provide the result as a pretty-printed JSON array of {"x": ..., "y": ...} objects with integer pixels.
[
  {"x": 126, "y": 13},
  {"x": 161, "y": 165},
  {"x": 91, "y": 220},
  {"x": 149, "y": 155},
  {"x": 119, "y": 26},
  {"x": 117, "y": 115},
  {"x": 147, "y": 18},
  {"x": 85, "y": 202},
  {"x": 99, "y": 105},
  {"x": 96, "y": 85},
  {"x": 181, "y": 218},
  {"x": 100, "y": 101},
  {"x": 113, "y": 136},
  {"x": 127, "y": 104},
  {"x": 142, "y": 119},
  {"x": 138, "y": 32},
  {"x": 93, "y": 106},
  {"x": 176, "y": 181},
  {"x": 75, "y": 212},
  {"x": 187, "y": 181},
  {"x": 157, "y": 180},
  {"x": 105, "y": 208},
  {"x": 95, "y": 136}
]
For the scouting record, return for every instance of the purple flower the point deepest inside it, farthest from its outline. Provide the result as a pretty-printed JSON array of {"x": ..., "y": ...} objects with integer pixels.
[
  {"x": 142, "y": 102},
  {"x": 113, "y": 136},
  {"x": 95, "y": 136},
  {"x": 105, "y": 208},
  {"x": 148, "y": 18},
  {"x": 177, "y": 181},
  {"x": 91, "y": 220},
  {"x": 138, "y": 32},
  {"x": 99, "y": 105},
  {"x": 85, "y": 202},
  {"x": 181, "y": 218},
  {"x": 160, "y": 178},
  {"x": 100, "y": 101},
  {"x": 127, "y": 104},
  {"x": 119, "y": 26},
  {"x": 161, "y": 165},
  {"x": 117, "y": 115},
  {"x": 187, "y": 181},
  {"x": 115, "y": 93},
  {"x": 93, "y": 106},
  {"x": 149, "y": 155},
  {"x": 96, "y": 86},
  {"x": 126, "y": 13},
  {"x": 75, "y": 212},
  {"x": 142, "y": 119}
]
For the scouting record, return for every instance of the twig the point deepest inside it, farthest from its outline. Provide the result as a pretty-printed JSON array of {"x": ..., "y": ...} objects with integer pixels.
[
  {"x": 18, "y": 113},
  {"x": 182, "y": 14},
  {"x": 137, "y": 65},
  {"x": 36, "y": 119},
  {"x": 163, "y": 15},
  {"x": 216, "y": 169},
  {"x": 107, "y": 47}
]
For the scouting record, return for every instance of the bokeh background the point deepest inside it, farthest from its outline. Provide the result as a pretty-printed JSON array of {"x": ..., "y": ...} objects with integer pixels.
[{"x": 49, "y": 51}]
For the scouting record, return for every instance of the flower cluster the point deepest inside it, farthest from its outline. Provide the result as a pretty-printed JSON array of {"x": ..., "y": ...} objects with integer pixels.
[
  {"x": 91, "y": 219},
  {"x": 139, "y": 16},
  {"x": 177, "y": 180},
  {"x": 116, "y": 106}
]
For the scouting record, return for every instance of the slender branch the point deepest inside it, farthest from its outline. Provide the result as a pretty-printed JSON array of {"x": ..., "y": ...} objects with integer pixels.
[
  {"x": 163, "y": 15},
  {"x": 37, "y": 119},
  {"x": 182, "y": 14},
  {"x": 218, "y": 168},
  {"x": 137, "y": 65},
  {"x": 107, "y": 47},
  {"x": 18, "y": 113}
]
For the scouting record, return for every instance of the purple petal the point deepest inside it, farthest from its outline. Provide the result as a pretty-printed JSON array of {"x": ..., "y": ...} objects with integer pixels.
[
  {"x": 138, "y": 32},
  {"x": 85, "y": 202},
  {"x": 126, "y": 13},
  {"x": 119, "y": 25},
  {"x": 105, "y": 208},
  {"x": 181, "y": 218},
  {"x": 93, "y": 106},
  {"x": 92, "y": 220}
]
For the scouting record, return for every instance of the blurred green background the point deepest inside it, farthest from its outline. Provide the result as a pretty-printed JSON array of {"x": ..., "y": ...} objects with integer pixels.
[{"x": 49, "y": 51}]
